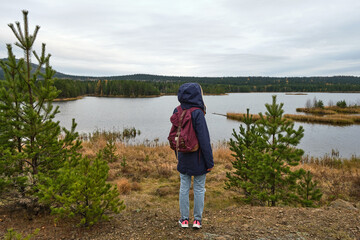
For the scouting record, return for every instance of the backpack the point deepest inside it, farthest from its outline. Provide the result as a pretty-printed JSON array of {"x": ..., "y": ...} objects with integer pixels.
[{"x": 182, "y": 136}]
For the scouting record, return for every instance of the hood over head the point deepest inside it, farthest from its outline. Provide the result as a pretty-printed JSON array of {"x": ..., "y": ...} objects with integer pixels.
[{"x": 191, "y": 95}]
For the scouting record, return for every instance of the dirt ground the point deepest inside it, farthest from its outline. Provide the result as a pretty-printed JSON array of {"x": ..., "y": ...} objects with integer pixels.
[
  {"x": 150, "y": 193},
  {"x": 234, "y": 222}
]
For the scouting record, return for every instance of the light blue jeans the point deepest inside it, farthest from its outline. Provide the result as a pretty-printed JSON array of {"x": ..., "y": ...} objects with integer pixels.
[{"x": 199, "y": 195}]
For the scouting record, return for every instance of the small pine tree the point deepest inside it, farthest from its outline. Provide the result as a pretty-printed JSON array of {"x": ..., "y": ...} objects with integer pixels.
[
  {"x": 30, "y": 138},
  {"x": 263, "y": 166},
  {"x": 13, "y": 235},
  {"x": 308, "y": 191},
  {"x": 320, "y": 104},
  {"x": 37, "y": 160},
  {"x": 341, "y": 104},
  {"x": 243, "y": 178},
  {"x": 81, "y": 190},
  {"x": 109, "y": 151}
]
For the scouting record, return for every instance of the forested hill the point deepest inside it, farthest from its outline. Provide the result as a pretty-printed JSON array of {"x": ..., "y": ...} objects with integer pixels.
[
  {"x": 240, "y": 80},
  {"x": 144, "y": 84}
]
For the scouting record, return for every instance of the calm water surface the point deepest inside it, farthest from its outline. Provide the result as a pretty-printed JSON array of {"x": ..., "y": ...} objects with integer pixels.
[{"x": 151, "y": 117}]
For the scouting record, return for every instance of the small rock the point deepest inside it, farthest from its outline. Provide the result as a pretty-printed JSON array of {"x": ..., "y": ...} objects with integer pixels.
[
  {"x": 211, "y": 236},
  {"x": 341, "y": 204},
  {"x": 246, "y": 226}
]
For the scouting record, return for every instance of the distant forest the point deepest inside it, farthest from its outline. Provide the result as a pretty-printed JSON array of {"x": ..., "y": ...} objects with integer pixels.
[
  {"x": 139, "y": 85},
  {"x": 152, "y": 85}
]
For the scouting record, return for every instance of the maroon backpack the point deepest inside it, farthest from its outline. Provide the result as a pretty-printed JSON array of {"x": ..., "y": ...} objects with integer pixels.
[{"x": 182, "y": 136}]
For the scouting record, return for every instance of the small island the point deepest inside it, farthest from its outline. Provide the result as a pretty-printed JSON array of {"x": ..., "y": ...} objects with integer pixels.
[{"x": 341, "y": 114}]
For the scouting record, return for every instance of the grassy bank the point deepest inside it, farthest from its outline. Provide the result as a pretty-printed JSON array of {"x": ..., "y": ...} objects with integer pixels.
[
  {"x": 335, "y": 119},
  {"x": 146, "y": 175},
  {"x": 331, "y": 110},
  {"x": 68, "y": 99},
  {"x": 240, "y": 116}
]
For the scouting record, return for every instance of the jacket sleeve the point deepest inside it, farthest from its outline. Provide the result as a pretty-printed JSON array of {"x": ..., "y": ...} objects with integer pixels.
[{"x": 203, "y": 136}]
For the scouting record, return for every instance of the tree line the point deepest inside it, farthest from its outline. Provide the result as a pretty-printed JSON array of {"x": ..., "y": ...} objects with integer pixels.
[
  {"x": 138, "y": 85},
  {"x": 148, "y": 85},
  {"x": 126, "y": 88}
]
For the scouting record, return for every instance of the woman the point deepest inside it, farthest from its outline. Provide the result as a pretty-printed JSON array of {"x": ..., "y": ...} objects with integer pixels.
[{"x": 198, "y": 163}]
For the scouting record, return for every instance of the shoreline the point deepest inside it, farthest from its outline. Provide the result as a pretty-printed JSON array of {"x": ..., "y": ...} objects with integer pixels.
[
  {"x": 123, "y": 96},
  {"x": 174, "y": 94},
  {"x": 68, "y": 99}
]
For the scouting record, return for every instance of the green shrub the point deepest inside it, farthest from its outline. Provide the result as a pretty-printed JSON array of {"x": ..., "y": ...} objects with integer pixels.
[
  {"x": 31, "y": 141},
  {"x": 319, "y": 104},
  {"x": 13, "y": 235},
  {"x": 80, "y": 190},
  {"x": 264, "y": 153},
  {"x": 109, "y": 151},
  {"x": 341, "y": 104},
  {"x": 308, "y": 191}
]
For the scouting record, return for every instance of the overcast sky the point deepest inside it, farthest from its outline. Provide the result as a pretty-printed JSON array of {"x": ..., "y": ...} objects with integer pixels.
[{"x": 193, "y": 37}]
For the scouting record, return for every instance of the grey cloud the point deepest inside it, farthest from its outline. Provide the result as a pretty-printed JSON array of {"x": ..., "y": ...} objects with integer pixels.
[{"x": 201, "y": 38}]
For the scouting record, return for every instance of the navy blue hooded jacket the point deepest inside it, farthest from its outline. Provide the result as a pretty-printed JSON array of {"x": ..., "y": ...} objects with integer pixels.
[{"x": 195, "y": 163}]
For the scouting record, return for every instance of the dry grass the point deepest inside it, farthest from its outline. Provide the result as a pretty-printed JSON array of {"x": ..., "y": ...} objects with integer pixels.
[
  {"x": 150, "y": 178},
  {"x": 331, "y": 110},
  {"x": 319, "y": 111},
  {"x": 338, "y": 178},
  {"x": 241, "y": 116},
  {"x": 135, "y": 186},
  {"x": 336, "y": 183},
  {"x": 165, "y": 170},
  {"x": 333, "y": 115},
  {"x": 123, "y": 185},
  {"x": 329, "y": 115},
  {"x": 335, "y": 119},
  {"x": 347, "y": 110}
]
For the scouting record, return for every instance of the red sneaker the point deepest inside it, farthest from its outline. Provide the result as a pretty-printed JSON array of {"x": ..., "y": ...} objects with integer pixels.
[
  {"x": 197, "y": 224},
  {"x": 184, "y": 223}
]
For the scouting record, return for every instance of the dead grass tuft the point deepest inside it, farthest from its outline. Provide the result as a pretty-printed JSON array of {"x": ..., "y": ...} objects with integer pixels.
[
  {"x": 355, "y": 187},
  {"x": 124, "y": 186},
  {"x": 222, "y": 155},
  {"x": 135, "y": 186},
  {"x": 163, "y": 191},
  {"x": 165, "y": 170},
  {"x": 113, "y": 174},
  {"x": 241, "y": 116},
  {"x": 228, "y": 166}
]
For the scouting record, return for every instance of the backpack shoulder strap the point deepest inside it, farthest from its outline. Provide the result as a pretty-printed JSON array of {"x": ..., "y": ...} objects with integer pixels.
[
  {"x": 194, "y": 108},
  {"x": 179, "y": 109}
]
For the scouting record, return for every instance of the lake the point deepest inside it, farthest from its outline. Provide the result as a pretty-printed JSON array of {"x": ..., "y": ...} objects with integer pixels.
[{"x": 151, "y": 117}]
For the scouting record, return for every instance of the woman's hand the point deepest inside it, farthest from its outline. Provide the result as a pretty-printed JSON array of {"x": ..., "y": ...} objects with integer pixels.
[{"x": 209, "y": 170}]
